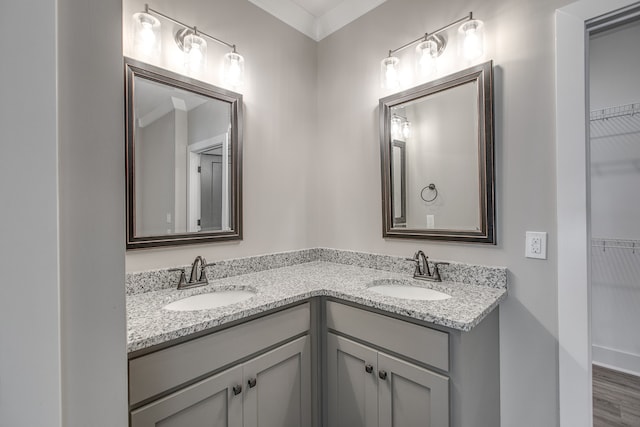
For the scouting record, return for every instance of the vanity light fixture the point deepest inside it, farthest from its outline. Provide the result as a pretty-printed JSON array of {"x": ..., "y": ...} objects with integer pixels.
[
  {"x": 191, "y": 41},
  {"x": 430, "y": 46},
  {"x": 400, "y": 127}
]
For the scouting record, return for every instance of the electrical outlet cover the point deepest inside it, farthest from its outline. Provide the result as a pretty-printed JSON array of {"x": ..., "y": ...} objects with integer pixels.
[{"x": 536, "y": 245}]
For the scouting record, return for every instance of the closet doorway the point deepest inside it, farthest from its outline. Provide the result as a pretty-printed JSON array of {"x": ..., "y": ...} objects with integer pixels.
[
  {"x": 574, "y": 24},
  {"x": 614, "y": 147}
]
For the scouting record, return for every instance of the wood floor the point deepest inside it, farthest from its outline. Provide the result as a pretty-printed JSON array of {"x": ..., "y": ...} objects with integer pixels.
[{"x": 616, "y": 398}]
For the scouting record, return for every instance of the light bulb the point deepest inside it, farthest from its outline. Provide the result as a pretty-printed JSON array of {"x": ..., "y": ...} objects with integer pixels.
[
  {"x": 195, "y": 56},
  {"x": 427, "y": 52},
  {"x": 472, "y": 47},
  {"x": 472, "y": 44},
  {"x": 233, "y": 69},
  {"x": 406, "y": 129},
  {"x": 390, "y": 78},
  {"x": 146, "y": 34},
  {"x": 195, "y": 49}
]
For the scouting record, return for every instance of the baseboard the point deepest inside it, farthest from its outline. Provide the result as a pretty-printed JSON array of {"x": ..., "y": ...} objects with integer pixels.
[{"x": 616, "y": 359}]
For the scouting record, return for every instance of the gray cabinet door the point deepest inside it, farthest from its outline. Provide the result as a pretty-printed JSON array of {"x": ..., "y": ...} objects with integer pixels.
[
  {"x": 410, "y": 396},
  {"x": 352, "y": 386},
  {"x": 210, "y": 402},
  {"x": 278, "y": 387}
]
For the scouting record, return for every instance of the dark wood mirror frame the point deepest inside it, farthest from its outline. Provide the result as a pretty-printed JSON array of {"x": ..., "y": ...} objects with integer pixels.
[
  {"x": 483, "y": 75},
  {"x": 134, "y": 69}
]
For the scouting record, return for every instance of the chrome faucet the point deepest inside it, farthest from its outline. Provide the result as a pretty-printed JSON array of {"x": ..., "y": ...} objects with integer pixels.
[
  {"x": 198, "y": 276},
  {"x": 422, "y": 271}
]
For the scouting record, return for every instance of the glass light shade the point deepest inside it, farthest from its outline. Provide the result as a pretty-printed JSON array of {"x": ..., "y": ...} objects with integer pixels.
[
  {"x": 233, "y": 71},
  {"x": 195, "y": 52},
  {"x": 472, "y": 41},
  {"x": 426, "y": 54},
  {"x": 396, "y": 125},
  {"x": 146, "y": 34},
  {"x": 389, "y": 75},
  {"x": 406, "y": 129}
]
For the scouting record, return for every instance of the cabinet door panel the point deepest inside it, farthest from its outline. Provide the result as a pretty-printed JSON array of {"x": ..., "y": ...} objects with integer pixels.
[
  {"x": 208, "y": 403},
  {"x": 352, "y": 391},
  {"x": 281, "y": 393},
  {"x": 411, "y": 396}
]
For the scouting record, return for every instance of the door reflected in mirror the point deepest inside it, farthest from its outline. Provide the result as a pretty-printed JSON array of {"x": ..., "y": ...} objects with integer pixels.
[
  {"x": 183, "y": 160},
  {"x": 437, "y": 159}
]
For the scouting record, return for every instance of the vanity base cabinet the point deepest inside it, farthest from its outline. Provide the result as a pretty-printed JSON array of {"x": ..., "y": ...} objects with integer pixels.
[
  {"x": 257, "y": 373},
  {"x": 278, "y": 387},
  {"x": 210, "y": 402},
  {"x": 271, "y": 390},
  {"x": 433, "y": 376},
  {"x": 370, "y": 388},
  {"x": 352, "y": 370}
]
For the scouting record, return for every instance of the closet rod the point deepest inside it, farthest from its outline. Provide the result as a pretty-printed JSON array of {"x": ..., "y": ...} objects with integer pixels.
[{"x": 618, "y": 111}]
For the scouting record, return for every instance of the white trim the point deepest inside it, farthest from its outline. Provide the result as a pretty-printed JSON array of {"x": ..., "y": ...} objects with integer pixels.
[
  {"x": 574, "y": 334},
  {"x": 193, "y": 180},
  {"x": 319, "y": 27},
  {"x": 616, "y": 359},
  {"x": 290, "y": 13},
  {"x": 343, "y": 14}
]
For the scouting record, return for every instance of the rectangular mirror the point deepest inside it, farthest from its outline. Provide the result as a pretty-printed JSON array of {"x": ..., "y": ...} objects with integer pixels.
[
  {"x": 183, "y": 159},
  {"x": 437, "y": 159}
]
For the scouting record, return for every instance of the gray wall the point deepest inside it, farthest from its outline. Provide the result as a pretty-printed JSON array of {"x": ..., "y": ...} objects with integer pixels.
[
  {"x": 62, "y": 310},
  {"x": 91, "y": 203},
  {"x": 30, "y": 291},
  {"x": 345, "y": 209},
  {"x": 155, "y": 166},
  {"x": 280, "y": 122},
  {"x": 201, "y": 125}
]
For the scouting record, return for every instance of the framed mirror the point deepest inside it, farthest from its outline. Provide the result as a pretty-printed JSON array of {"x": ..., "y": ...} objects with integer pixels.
[
  {"x": 437, "y": 159},
  {"x": 183, "y": 159}
]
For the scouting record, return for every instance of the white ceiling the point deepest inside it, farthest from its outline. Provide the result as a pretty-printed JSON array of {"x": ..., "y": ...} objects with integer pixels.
[{"x": 317, "y": 18}]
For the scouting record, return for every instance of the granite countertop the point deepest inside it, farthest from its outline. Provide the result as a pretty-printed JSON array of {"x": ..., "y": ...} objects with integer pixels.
[{"x": 148, "y": 324}]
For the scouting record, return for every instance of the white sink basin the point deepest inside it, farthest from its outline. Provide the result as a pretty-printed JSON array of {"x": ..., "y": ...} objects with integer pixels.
[
  {"x": 210, "y": 300},
  {"x": 406, "y": 290}
]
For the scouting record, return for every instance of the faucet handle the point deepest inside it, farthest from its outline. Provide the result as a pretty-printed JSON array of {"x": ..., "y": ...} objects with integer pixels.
[
  {"x": 418, "y": 270},
  {"x": 436, "y": 271},
  {"x": 183, "y": 278},
  {"x": 203, "y": 271}
]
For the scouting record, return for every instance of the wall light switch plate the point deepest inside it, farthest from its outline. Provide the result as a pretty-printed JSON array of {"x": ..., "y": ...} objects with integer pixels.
[{"x": 536, "y": 245}]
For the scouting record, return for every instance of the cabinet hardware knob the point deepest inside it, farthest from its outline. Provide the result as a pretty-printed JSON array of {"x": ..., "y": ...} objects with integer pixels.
[
  {"x": 368, "y": 367},
  {"x": 382, "y": 375},
  {"x": 252, "y": 382},
  {"x": 237, "y": 389}
]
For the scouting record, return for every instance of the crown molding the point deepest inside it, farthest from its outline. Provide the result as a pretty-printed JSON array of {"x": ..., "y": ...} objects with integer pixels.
[{"x": 317, "y": 28}]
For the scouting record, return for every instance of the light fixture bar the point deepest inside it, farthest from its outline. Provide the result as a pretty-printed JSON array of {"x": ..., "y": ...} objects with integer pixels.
[
  {"x": 469, "y": 17},
  {"x": 196, "y": 31}
]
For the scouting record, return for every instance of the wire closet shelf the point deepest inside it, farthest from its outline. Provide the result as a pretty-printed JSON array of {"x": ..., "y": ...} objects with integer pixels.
[
  {"x": 604, "y": 244},
  {"x": 617, "y": 111}
]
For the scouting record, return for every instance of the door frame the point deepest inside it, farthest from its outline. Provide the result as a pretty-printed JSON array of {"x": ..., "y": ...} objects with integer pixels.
[
  {"x": 572, "y": 185},
  {"x": 193, "y": 179}
]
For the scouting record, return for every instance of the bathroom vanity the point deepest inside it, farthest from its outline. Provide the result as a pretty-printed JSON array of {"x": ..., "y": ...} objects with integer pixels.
[
  {"x": 316, "y": 347},
  {"x": 266, "y": 360}
]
